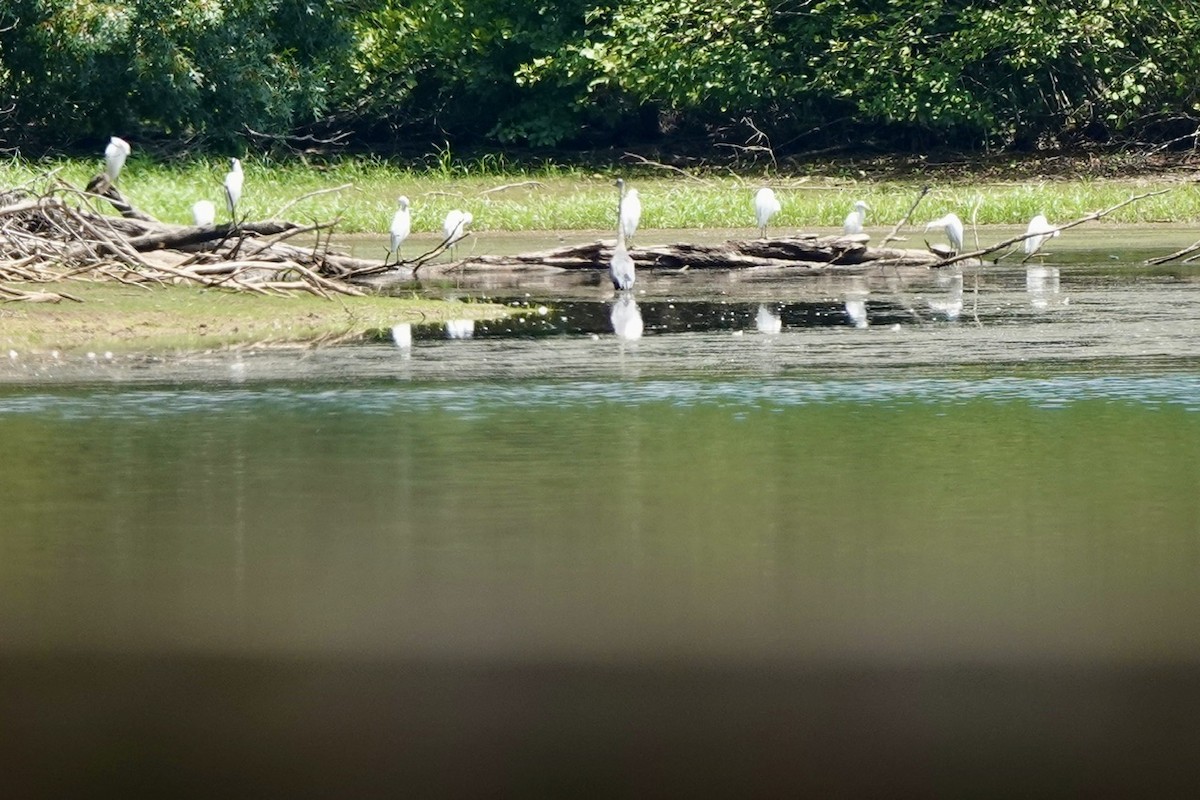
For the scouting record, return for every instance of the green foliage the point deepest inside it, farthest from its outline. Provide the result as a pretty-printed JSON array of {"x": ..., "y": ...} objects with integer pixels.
[
  {"x": 1001, "y": 71},
  {"x": 453, "y": 65},
  {"x": 720, "y": 56},
  {"x": 179, "y": 68},
  {"x": 957, "y": 72}
]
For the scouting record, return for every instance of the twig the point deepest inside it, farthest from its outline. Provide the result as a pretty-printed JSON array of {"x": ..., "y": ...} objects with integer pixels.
[
  {"x": 506, "y": 186},
  {"x": 671, "y": 167},
  {"x": 904, "y": 220},
  {"x": 1191, "y": 248},
  {"x": 279, "y": 214}
]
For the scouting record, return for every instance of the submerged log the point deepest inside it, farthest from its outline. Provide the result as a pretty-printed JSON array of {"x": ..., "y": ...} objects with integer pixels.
[{"x": 816, "y": 254}]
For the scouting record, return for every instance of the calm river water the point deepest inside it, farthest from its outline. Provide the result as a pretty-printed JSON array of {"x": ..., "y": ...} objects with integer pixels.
[{"x": 902, "y": 535}]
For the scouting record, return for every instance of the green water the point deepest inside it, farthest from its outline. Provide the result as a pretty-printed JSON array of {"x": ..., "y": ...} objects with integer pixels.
[
  {"x": 694, "y": 520},
  {"x": 896, "y": 535}
]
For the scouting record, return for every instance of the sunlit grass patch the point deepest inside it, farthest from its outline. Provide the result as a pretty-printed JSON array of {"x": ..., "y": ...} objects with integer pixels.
[{"x": 502, "y": 196}]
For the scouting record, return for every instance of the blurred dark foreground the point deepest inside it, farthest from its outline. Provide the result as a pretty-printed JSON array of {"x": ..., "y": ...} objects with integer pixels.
[{"x": 136, "y": 726}]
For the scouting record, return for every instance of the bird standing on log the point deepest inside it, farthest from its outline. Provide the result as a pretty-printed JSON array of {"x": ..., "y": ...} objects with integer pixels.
[
  {"x": 620, "y": 266},
  {"x": 114, "y": 156},
  {"x": 400, "y": 228},
  {"x": 114, "y": 160},
  {"x": 1044, "y": 230},
  {"x": 454, "y": 228},
  {"x": 766, "y": 205},
  {"x": 233, "y": 187},
  {"x": 856, "y": 218},
  {"x": 952, "y": 226}
]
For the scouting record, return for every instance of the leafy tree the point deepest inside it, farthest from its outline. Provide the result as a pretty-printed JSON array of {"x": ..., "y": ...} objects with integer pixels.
[{"x": 180, "y": 68}]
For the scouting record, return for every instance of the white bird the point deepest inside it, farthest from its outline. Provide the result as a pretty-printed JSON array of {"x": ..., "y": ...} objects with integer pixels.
[
  {"x": 766, "y": 205},
  {"x": 233, "y": 187},
  {"x": 952, "y": 226},
  {"x": 400, "y": 228},
  {"x": 114, "y": 156},
  {"x": 620, "y": 266},
  {"x": 204, "y": 213},
  {"x": 626, "y": 318},
  {"x": 454, "y": 227},
  {"x": 630, "y": 210},
  {"x": 856, "y": 218},
  {"x": 1041, "y": 226}
]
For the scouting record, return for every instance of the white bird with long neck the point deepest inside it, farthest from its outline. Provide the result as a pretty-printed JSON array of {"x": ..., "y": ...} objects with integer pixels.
[
  {"x": 766, "y": 205},
  {"x": 234, "y": 180},
  {"x": 952, "y": 226},
  {"x": 400, "y": 228},
  {"x": 114, "y": 157},
  {"x": 1040, "y": 226},
  {"x": 454, "y": 228},
  {"x": 854, "y": 221},
  {"x": 620, "y": 266}
]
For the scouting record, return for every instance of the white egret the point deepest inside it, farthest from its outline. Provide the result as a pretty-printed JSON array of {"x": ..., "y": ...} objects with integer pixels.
[
  {"x": 952, "y": 226},
  {"x": 766, "y": 205},
  {"x": 400, "y": 228},
  {"x": 114, "y": 157},
  {"x": 454, "y": 227},
  {"x": 856, "y": 218},
  {"x": 630, "y": 210},
  {"x": 626, "y": 318},
  {"x": 204, "y": 213},
  {"x": 1041, "y": 226},
  {"x": 233, "y": 187},
  {"x": 620, "y": 266}
]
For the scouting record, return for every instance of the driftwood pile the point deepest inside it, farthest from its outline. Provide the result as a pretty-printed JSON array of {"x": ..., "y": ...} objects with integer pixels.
[{"x": 57, "y": 234}]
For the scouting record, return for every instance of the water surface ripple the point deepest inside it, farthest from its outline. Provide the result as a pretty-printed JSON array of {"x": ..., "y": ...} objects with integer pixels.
[{"x": 475, "y": 399}]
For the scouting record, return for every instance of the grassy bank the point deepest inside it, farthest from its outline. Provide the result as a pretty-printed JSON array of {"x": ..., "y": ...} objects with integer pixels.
[
  {"x": 122, "y": 318},
  {"x": 568, "y": 198}
]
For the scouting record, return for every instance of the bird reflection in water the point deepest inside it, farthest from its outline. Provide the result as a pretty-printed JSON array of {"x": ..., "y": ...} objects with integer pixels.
[
  {"x": 1042, "y": 286},
  {"x": 856, "y": 304},
  {"x": 767, "y": 321},
  {"x": 460, "y": 328},
  {"x": 402, "y": 335},
  {"x": 951, "y": 305},
  {"x": 626, "y": 318}
]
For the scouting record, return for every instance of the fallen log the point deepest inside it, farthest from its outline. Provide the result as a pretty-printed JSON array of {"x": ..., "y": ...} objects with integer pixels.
[{"x": 816, "y": 254}]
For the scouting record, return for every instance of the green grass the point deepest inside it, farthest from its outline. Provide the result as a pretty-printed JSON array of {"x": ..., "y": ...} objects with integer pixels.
[{"x": 571, "y": 198}]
